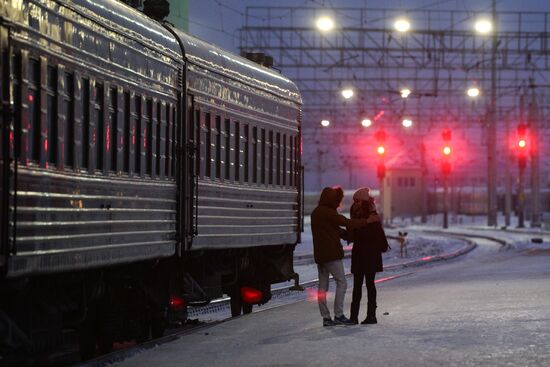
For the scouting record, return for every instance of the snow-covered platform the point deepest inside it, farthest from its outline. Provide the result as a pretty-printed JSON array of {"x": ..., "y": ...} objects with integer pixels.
[{"x": 490, "y": 307}]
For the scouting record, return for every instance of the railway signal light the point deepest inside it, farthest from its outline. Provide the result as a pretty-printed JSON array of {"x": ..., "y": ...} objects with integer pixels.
[
  {"x": 381, "y": 150},
  {"x": 447, "y": 150},
  {"x": 381, "y": 171},
  {"x": 522, "y": 147}
]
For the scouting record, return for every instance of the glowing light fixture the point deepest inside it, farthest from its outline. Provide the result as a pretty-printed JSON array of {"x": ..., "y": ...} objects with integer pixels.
[
  {"x": 381, "y": 150},
  {"x": 522, "y": 143},
  {"x": 483, "y": 26},
  {"x": 402, "y": 25},
  {"x": 325, "y": 24},
  {"x": 473, "y": 92},
  {"x": 407, "y": 122},
  {"x": 405, "y": 92},
  {"x": 366, "y": 122},
  {"x": 347, "y": 93},
  {"x": 447, "y": 150},
  {"x": 325, "y": 123}
]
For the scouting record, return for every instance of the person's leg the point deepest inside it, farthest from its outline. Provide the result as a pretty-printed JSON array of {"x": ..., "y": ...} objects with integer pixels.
[
  {"x": 371, "y": 297},
  {"x": 336, "y": 268},
  {"x": 322, "y": 291},
  {"x": 356, "y": 296}
]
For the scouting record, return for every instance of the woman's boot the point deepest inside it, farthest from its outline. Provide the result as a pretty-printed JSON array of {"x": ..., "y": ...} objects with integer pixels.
[{"x": 371, "y": 314}]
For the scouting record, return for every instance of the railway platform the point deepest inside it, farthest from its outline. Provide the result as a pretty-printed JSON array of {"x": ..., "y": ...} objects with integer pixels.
[{"x": 490, "y": 307}]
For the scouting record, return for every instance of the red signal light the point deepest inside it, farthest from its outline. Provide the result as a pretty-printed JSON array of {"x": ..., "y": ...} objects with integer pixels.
[
  {"x": 447, "y": 150},
  {"x": 381, "y": 150},
  {"x": 176, "y": 303},
  {"x": 522, "y": 143},
  {"x": 251, "y": 295}
]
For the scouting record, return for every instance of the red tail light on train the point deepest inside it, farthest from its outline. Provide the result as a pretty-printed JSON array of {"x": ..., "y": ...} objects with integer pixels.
[{"x": 251, "y": 295}]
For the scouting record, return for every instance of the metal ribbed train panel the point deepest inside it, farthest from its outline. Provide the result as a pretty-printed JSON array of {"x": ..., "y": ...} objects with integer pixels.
[
  {"x": 245, "y": 216},
  {"x": 76, "y": 222}
]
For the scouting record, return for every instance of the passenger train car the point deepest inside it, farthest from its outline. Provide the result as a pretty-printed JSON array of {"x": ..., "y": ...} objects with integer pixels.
[{"x": 141, "y": 170}]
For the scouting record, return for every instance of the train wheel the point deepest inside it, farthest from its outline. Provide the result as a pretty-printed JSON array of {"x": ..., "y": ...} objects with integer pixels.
[
  {"x": 236, "y": 303},
  {"x": 87, "y": 336}
]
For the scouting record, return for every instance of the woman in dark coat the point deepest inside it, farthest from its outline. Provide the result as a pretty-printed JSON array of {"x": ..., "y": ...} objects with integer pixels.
[{"x": 366, "y": 256}]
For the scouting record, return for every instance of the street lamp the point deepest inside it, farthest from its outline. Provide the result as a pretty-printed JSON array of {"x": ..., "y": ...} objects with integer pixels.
[
  {"x": 473, "y": 92},
  {"x": 347, "y": 93},
  {"x": 405, "y": 92},
  {"x": 402, "y": 25},
  {"x": 366, "y": 122},
  {"x": 483, "y": 26},
  {"x": 325, "y": 123},
  {"x": 325, "y": 24},
  {"x": 407, "y": 123}
]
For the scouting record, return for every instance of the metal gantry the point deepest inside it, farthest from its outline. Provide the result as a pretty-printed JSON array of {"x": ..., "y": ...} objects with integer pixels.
[{"x": 438, "y": 59}]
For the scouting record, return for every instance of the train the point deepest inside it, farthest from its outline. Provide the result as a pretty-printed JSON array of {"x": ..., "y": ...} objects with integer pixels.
[{"x": 142, "y": 171}]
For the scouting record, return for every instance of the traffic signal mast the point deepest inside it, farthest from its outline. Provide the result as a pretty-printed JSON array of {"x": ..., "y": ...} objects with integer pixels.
[
  {"x": 522, "y": 151},
  {"x": 446, "y": 171},
  {"x": 380, "y": 137}
]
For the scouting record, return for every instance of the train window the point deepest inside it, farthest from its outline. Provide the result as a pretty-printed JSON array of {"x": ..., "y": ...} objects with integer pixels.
[
  {"x": 112, "y": 129},
  {"x": 50, "y": 145},
  {"x": 227, "y": 130},
  {"x": 170, "y": 138},
  {"x": 68, "y": 107},
  {"x": 136, "y": 135},
  {"x": 207, "y": 145},
  {"x": 278, "y": 158},
  {"x": 161, "y": 126},
  {"x": 100, "y": 124},
  {"x": 174, "y": 141},
  {"x": 262, "y": 158},
  {"x": 255, "y": 154},
  {"x": 218, "y": 146},
  {"x": 291, "y": 162},
  {"x": 297, "y": 152},
  {"x": 85, "y": 123},
  {"x": 19, "y": 130},
  {"x": 284, "y": 160},
  {"x": 246, "y": 152},
  {"x": 148, "y": 137},
  {"x": 237, "y": 151},
  {"x": 127, "y": 131},
  {"x": 197, "y": 141},
  {"x": 34, "y": 110},
  {"x": 270, "y": 143}
]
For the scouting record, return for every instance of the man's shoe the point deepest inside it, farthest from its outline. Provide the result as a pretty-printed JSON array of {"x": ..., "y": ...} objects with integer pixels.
[
  {"x": 342, "y": 320},
  {"x": 370, "y": 320},
  {"x": 328, "y": 322},
  {"x": 354, "y": 321}
]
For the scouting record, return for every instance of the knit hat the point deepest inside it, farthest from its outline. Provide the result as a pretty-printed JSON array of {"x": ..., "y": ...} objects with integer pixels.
[{"x": 362, "y": 194}]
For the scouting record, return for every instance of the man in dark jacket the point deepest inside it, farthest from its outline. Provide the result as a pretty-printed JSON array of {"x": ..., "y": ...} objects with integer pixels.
[{"x": 326, "y": 227}]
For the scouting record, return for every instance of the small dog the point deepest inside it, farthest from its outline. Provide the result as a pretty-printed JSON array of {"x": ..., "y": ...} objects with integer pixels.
[{"x": 403, "y": 243}]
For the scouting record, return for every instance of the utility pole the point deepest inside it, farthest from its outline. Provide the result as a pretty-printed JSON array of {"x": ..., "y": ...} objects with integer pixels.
[
  {"x": 508, "y": 182},
  {"x": 423, "y": 185},
  {"x": 491, "y": 131},
  {"x": 534, "y": 151}
]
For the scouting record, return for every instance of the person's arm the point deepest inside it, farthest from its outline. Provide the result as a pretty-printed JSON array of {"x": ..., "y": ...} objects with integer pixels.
[
  {"x": 373, "y": 217},
  {"x": 342, "y": 221}
]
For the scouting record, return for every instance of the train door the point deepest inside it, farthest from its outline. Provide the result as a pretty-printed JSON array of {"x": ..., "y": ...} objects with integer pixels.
[
  {"x": 6, "y": 146},
  {"x": 191, "y": 175}
]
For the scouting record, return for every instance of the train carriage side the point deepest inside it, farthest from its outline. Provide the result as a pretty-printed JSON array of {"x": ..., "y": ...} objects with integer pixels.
[
  {"x": 244, "y": 121},
  {"x": 89, "y": 169}
]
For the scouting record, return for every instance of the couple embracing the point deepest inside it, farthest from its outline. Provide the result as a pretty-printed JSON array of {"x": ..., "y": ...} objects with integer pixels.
[{"x": 365, "y": 231}]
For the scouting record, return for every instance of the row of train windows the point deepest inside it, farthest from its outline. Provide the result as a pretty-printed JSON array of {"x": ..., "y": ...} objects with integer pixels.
[
  {"x": 99, "y": 127},
  {"x": 237, "y": 151}
]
